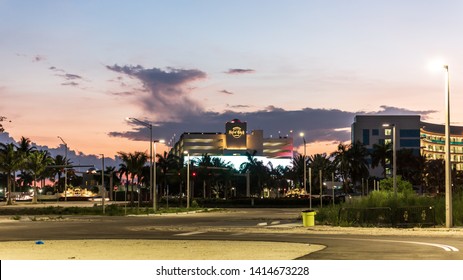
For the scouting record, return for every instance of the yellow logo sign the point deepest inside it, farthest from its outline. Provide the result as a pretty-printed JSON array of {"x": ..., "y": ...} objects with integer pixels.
[{"x": 236, "y": 132}]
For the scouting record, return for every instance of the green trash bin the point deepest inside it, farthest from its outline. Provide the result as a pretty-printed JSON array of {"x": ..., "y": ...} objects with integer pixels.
[{"x": 308, "y": 218}]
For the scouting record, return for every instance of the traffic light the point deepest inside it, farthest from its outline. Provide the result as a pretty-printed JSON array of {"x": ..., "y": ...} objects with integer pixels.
[{"x": 193, "y": 174}]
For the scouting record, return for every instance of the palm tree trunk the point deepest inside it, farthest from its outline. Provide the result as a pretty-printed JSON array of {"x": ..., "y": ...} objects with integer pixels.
[
  {"x": 8, "y": 183},
  {"x": 131, "y": 194},
  {"x": 34, "y": 199}
]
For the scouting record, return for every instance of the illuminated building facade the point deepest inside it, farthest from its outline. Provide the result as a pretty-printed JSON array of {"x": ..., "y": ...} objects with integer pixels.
[
  {"x": 422, "y": 138},
  {"x": 433, "y": 143},
  {"x": 235, "y": 143}
]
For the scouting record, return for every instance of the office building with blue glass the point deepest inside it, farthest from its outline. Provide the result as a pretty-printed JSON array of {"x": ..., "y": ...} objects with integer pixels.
[
  {"x": 378, "y": 129},
  {"x": 423, "y": 138}
]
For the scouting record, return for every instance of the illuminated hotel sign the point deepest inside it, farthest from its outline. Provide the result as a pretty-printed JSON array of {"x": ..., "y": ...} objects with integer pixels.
[
  {"x": 236, "y": 132},
  {"x": 236, "y": 135}
]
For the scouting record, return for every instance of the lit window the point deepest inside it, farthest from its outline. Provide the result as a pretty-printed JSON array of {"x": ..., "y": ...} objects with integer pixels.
[{"x": 388, "y": 132}]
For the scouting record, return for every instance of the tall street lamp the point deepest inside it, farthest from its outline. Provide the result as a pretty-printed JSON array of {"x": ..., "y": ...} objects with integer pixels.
[
  {"x": 448, "y": 170},
  {"x": 187, "y": 179},
  {"x": 152, "y": 187},
  {"x": 154, "y": 171},
  {"x": 305, "y": 169},
  {"x": 65, "y": 169},
  {"x": 394, "y": 157},
  {"x": 448, "y": 165}
]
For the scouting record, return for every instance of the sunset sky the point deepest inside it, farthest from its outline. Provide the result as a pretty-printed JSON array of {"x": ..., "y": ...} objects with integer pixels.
[{"x": 77, "y": 69}]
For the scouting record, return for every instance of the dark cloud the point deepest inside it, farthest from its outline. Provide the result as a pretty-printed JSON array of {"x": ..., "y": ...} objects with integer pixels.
[
  {"x": 317, "y": 124},
  {"x": 38, "y": 58},
  {"x": 388, "y": 110},
  {"x": 35, "y": 58},
  {"x": 239, "y": 71},
  {"x": 239, "y": 106},
  {"x": 168, "y": 90},
  {"x": 70, "y": 79},
  {"x": 68, "y": 76},
  {"x": 226, "y": 92},
  {"x": 167, "y": 98},
  {"x": 76, "y": 157},
  {"x": 73, "y": 84},
  {"x": 123, "y": 93}
]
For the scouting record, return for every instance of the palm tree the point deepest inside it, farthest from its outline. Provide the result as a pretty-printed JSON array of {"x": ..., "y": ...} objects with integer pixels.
[
  {"x": 10, "y": 161},
  {"x": 410, "y": 166},
  {"x": 320, "y": 162},
  {"x": 25, "y": 148},
  {"x": 222, "y": 173},
  {"x": 256, "y": 169},
  {"x": 299, "y": 163},
  {"x": 434, "y": 174},
  {"x": 123, "y": 170},
  {"x": 134, "y": 163},
  {"x": 379, "y": 156},
  {"x": 168, "y": 163},
  {"x": 37, "y": 162},
  {"x": 204, "y": 164},
  {"x": 351, "y": 163},
  {"x": 342, "y": 162},
  {"x": 358, "y": 155},
  {"x": 60, "y": 160}
]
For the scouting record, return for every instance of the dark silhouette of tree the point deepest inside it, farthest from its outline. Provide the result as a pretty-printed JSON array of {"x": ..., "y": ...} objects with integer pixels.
[
  {"x": 168, "y": 164},
  {"x": 37, "y": 163},
  {"x": 380, "y": 154},
  {"x": 134, "y": 163},
  {"x": 10, "y": 161}
]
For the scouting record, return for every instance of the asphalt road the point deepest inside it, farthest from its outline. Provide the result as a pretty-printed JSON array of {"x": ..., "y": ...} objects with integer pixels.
[{"x": 278, "y": 225}]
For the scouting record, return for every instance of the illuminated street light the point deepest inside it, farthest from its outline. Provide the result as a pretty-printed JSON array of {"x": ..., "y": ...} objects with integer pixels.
[
  {"x": 448, "y": 178},
  {"x": 394, "y": 157},
  {"x": 153, "y": 188},
  {"x": 448, "y": 165}
]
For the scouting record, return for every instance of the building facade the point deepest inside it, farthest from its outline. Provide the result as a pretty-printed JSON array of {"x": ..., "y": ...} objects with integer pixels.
[
  {"x": 433, "y": 143},
  {"x": 235, "y": 142},
  {"x": 423, "y": 138}
]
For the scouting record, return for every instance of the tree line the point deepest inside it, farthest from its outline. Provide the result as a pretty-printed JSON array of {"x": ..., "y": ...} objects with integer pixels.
[{"x": 213, "y": 177}]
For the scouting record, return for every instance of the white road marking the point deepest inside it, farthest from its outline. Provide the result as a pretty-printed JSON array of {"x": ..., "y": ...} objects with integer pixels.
[
  {"x": 447, "y": 248},
  {"x": 189, "y": 233},
  {"x": 444, "y": 247}
]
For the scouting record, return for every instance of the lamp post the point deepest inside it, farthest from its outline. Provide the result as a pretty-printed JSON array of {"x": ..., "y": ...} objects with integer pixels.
[
  {"x": 448, "y": 170},
  {"x": 154, "y": 173},
  {"x": 394, "y": 157},
  {"x": 103, "y": 189},
  {"x": 305, "y": 155},
  {"x": 187, "y": 179},
  {"x": 153, "y": 188},
  {"x": 305, "y": 169},
  {"x": 65, "y": 169}
]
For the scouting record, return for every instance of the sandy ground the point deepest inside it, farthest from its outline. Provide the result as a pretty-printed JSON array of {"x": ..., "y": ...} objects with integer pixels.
[
  {"x": 153, "y": 250},
  {"x": 192, "y": 250}
]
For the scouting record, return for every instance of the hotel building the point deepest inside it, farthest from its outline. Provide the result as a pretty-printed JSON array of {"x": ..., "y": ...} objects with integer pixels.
[
  {"x": 233, "y": 145},
  {"x": 423, "y": 138}
]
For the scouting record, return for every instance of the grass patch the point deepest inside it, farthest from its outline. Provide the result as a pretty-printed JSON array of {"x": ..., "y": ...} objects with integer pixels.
[
  {"x": 379, "y": 200},
  {"x": 57, "y": 212}
]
